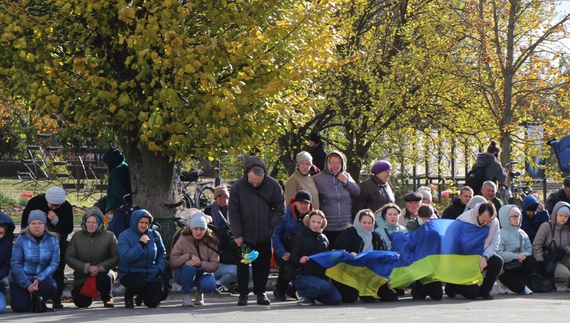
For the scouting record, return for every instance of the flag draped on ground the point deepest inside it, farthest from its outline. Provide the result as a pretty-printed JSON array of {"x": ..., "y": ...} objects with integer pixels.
[
  {"x": 366, "y": 273},
  {"x": 440, "y": 250}
]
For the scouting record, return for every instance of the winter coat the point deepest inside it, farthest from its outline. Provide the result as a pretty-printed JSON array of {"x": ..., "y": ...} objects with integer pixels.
[
  {"x": 336, "y": 197},
  {"x": 298, "y": 182},
  {"x": 227, "y": 247},
  {"x": 148, "y": 259},
  {"x": 544, "y": 235},
  {"x": 31, "y": 259},
  {"x": 286, "y": 229},
  {"x": 555, "y": 197},
  {"x": 350, "y": 241},
  {"x": 385, "y": 229},
  {"x": 373, "y": 195},
  {"x": 86, "y": 249},
  {"x": 119, "y": 183},
  {"x": 64, "y": 224},
  {"x": 250, "y": 216},
  {"x": 454, "y": 210},
  {"x": 319, "y": 155},
  {"x": 493, "y": 238},
  {"x": 493, "y": 169},
  {"x": 531, "y": 225},
  {"x": 6, "y": 245},
  {"x": 405, "y": 217},
  {"x": 187, "y": 247},
  {"x": 510, "y": 237},
  {"x": 308, "y": 243}
]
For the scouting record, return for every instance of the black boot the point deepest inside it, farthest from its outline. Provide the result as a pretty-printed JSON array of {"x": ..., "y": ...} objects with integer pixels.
[
  {"x": 129, "y": 302},
  {"x": 138, "y": 300},
  {"x": 242, "y": 301},
  {"x": 262, "y": 299}
]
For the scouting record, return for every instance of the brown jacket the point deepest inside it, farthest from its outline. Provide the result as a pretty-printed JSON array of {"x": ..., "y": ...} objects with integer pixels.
[
  {"x": 544, "y": 235},
  {"x": 209, "y": 258}
]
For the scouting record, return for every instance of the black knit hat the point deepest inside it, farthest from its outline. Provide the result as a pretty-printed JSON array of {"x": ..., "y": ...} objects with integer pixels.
[
  {"x": 303, "y": 196},
  {"x": 315, "y": 137}
]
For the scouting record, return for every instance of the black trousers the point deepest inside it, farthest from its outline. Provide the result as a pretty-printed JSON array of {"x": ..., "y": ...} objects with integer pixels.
[
  {"x": 494, "y": 266},
  {"x": 434, "y": 290},
  {"x": 58, "y": 275},
  {"x": 104, "y": 284},
  {"x": 149, "y": 292},
  {"x": 282, "y": 283},
  {"x": 259, "y": 268},
  {"x": 516, "y": 280}
]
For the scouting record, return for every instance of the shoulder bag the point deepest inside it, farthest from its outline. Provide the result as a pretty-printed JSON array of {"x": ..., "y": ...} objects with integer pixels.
[{"x": 514, "y": 264}]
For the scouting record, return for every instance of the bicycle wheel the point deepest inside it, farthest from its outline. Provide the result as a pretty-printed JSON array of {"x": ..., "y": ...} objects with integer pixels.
[
  {"x": 185, "y": 197},
  {"x": 206, "y": 196},
  {"x": 503, "y": 195}
]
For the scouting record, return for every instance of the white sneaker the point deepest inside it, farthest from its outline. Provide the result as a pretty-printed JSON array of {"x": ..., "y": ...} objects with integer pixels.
[
  {"x": 187, "y": 301},
  {"x": 198, "y": 298},
  {"x": 501, "y": 288},
  {"x": 527, "y": 291}
]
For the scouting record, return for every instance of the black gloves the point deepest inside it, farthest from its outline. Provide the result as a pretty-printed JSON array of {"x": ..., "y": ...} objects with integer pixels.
[{"x": 560, "y": 254}]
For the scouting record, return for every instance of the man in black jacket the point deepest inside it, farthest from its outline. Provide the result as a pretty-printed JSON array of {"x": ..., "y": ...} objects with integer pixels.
[
  {"x": 562, "y": 194},
  {"x": 458, "y": 204},
  {"x": 317, "y": 150}
]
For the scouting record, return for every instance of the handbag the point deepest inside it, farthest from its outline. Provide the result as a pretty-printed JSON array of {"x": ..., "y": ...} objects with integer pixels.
[
  {"x": 38, "y": 303},
  {"x": 289, "y": 273},
  {"x": 514, "y": 264},
  {"x": 540, "y": 283},
  {"x": 89, "y": 288},
  {"x": 550, "y": 257}
]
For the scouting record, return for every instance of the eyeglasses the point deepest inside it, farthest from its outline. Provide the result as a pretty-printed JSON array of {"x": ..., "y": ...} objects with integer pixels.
[{"x": 515, "y": 216}]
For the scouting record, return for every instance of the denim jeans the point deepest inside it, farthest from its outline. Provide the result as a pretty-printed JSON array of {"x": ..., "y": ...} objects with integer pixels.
[
  {"x": 317, "y": 288},
  {"x": 226, "y": 274},
  {"x": 188, "y": 277}
]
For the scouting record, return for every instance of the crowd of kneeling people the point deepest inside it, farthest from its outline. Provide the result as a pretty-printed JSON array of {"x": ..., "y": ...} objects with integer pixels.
[{"x": 205, "y": 258}]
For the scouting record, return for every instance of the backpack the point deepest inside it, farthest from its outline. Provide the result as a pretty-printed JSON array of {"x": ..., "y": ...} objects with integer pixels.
[{"x": 475, "y": 179}]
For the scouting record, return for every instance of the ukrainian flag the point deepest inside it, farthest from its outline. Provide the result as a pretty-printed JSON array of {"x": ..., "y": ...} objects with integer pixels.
[
  {"x": 441, "y": 250},
  {"x": 367, "y": 273}
]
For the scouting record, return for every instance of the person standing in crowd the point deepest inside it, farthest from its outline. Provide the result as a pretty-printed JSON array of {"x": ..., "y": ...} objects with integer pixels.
[
  {"x": 336, "y": 191},
  {"x": 7, "y": 228},
  {"x": 533, "y": 216},
  {"x": 557, "y": 232},
  {"x": 226, "y": 274},
  {"x": 119, "y": 183},
  {"x": 60, "y": 221},
  {"x": 489, "y": 191},
  {"x": 458, "y": 204},
  {"x": 194, "y": 259},
  {"x": 413, "y": 201},
  {"x": 493, "y": 170},
  {"x": 291, "y": 225},
  {"x": 515, "y": 245},
  {"x": 311, "y": 282},
  {"x": 562, "y": 194},
  {"x": 483, "y": 214},
  {"x": 375, "y": 191},
  {"x": 317, "y": 150},
  {"x": 92, "y": 252},
  {"x": 387, "y": 221},
  {"x": 35, "y": 258},
  {"x": 142, "y": 259},
  {"x": 356, "y": 239},
  {"x": 302, "y": 180},
  {"x": 257, "y": 205}
]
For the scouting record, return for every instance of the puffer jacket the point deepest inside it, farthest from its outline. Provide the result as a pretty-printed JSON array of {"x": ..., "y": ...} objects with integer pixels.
[
  {"x": 148, "y": 259},
  {"x": 385, "y": 229},
  {"x": 544, "y": 235},
  {"x": 290, "y": 225},
  {"x": 249, "y": 216},
  {"x": 186, "y": 245},
  {"x": 531, "y": 224},
  {"x": 511, "y": 237},
  {"x": 86, "y": 249},
  {"x": 31, "y": 259},
  {"x": 308, "y": 243},
  {"x": 336, "y": 197},
  {"x": 119, "y": 183}
]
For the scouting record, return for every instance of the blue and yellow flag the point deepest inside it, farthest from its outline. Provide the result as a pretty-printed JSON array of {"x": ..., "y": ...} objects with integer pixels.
[
  {"x": 366, "y": 273},
  {"x": 440, "y": 250}
]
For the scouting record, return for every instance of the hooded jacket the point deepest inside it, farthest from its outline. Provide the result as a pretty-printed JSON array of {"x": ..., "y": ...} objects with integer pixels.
[
  {"x": 290, "y": 225},
  {"x": 148, "y": 259},
  {"x": 86, "y": 249},
  {"x": 511, "y": 237},
  {"x": 454, "y": 210},
  {"x": 385, "y": 229},
  {"x": 493, "y": 169},
  {"x": 544, "y": 235},
  {"x": 250, "y": 216},
  {"x": 6, "y": 245},
  {"x": 32, "y": 259},
  {"x": 336, "y": 197},
  {"x": 555, "y": 197},
  {"x": 188, "y": 245},
  {"x": 374, "y": 194},
  {"x": 493, "y": 238},
  {"x": 119, "y": 183},
  {"x": 298, "y": 182},
  {"x": 531, "y": 225}
]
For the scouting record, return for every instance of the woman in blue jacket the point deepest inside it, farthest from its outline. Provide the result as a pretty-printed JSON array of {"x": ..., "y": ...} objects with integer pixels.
[
  {"x": 142, "y": 259},
  {"x": 35, "y": 257}
]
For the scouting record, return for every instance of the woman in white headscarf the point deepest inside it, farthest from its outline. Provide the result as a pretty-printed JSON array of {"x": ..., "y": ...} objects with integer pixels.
[{"x": 356, "y": 239}]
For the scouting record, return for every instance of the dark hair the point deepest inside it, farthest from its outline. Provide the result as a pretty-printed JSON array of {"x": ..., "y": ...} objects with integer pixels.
[
  {"x": 425, "y": 211},
  {"x": 257, "y": 170},
  {"x": 388, "y": 206},
  {"x": 367, "y": 212},
  {"x": 493, "y": 149},
  {"x": 487, "y": 206}
]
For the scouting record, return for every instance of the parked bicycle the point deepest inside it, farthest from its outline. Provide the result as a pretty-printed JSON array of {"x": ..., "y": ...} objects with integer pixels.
[
  {"x": 516, "y": 190},
  {"x": 203, "y": 192}
]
